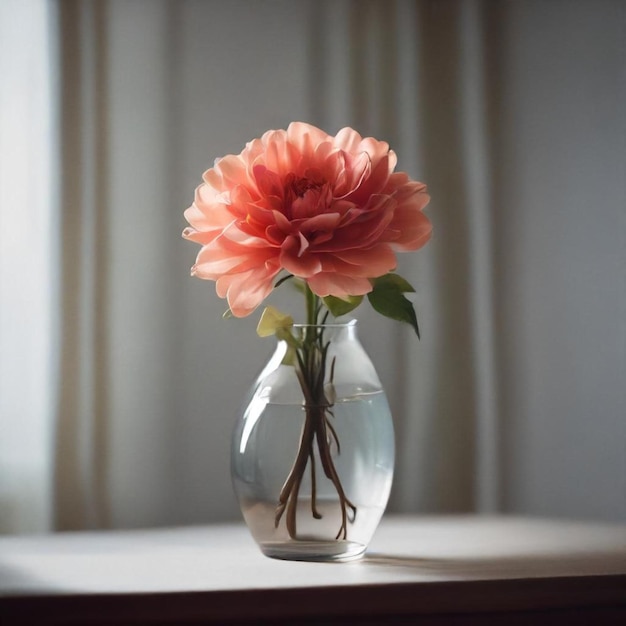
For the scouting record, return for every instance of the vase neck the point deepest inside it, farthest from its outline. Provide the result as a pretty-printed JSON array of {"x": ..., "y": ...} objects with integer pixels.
[{"x": 327, "y": 332}]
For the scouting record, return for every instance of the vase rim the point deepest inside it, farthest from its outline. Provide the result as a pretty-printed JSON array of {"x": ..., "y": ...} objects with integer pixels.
[{"x": 335, "y": 324}]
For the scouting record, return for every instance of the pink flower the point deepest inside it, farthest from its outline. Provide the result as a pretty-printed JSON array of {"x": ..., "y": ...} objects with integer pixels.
[{"x": 329, "y": 210}]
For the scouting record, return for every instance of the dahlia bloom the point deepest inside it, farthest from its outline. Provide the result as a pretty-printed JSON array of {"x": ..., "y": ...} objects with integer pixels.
[{"x": 329, "y": 210}]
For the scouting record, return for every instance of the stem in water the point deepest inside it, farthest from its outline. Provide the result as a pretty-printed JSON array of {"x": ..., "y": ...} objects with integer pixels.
[{"x": 317, "y": 430}]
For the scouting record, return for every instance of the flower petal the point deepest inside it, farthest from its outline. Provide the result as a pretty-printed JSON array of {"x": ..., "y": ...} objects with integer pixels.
[
  {"x": 298, "y": 261},
  {"x": 306, "y": 137},
  {"x": 371, "y": 263},
  {"x": 338, "y": 285},
  {"x": 245, "y": 291}
]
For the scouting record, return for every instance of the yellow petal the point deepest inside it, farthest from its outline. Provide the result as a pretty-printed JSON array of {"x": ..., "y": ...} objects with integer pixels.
[{"x": 271, "y": 321}]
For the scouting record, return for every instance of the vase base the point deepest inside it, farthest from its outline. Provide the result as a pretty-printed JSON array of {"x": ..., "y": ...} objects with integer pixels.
[{"x": 320, "y": 551}]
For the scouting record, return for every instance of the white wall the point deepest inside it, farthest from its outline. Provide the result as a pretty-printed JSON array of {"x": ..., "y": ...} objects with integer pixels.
[
  {"x": 27, "y": 273},
  {"x": 560, "y": 211}
]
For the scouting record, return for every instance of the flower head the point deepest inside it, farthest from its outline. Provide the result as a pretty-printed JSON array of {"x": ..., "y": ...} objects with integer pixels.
[{"x": 329, "y": 210}]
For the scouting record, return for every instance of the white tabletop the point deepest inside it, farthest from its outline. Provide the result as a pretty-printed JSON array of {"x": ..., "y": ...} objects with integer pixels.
[{"x": 482, "y": 564}]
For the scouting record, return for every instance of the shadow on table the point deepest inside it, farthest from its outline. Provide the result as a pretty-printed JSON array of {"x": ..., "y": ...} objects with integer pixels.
[{"x": 507, "y": 565}]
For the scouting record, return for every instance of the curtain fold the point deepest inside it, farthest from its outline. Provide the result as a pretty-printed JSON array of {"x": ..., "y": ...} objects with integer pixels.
[
  {"x": 475, "y": 44},
  {"x": 81, "y": 433}
]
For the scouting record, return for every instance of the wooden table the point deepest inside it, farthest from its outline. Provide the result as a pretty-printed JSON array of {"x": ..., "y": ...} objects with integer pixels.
[{"x": 419, "y": 570}]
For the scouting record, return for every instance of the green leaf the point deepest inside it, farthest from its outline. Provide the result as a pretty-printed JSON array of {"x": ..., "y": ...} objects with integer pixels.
[
  {"x": 387, "y": 298},
  {"x": 339, "y": 307},
  {"x": 394, "y": 281}
]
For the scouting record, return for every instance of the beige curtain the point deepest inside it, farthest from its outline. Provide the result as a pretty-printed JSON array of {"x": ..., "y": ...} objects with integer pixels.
[
  {"x": 82, "y": 425},
  {"x": 513, "y": 113}
]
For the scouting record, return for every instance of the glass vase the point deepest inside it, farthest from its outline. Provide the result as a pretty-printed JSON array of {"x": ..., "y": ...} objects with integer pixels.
[{"x": 313, "y": 449}]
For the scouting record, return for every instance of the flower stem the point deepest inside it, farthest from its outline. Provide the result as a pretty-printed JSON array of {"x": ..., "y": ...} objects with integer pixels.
[
  {"x": 317, "y": 430},
  {"x": 312, "y": 303}
]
